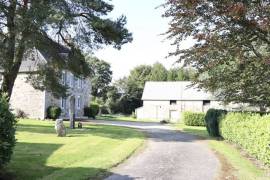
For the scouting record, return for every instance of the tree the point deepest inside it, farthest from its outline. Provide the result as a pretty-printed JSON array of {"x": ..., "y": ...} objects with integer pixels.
[
  {"x": 48, "y": 26},
  {"x": 158, "y": 73},
  {"x": 131, "y": 88},
  {"x": 180, "y": 74},
  {"x": 102, "y": 76},
  {"x": 232, "y": 51}
]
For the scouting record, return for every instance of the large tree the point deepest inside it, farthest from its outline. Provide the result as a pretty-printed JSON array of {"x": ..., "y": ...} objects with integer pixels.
[
  {"x": 180, "y": 74},
  {"x": 48, "y": 25},
  {"x": 101, "y": 78},
  {"x": 158, "y": 72},
  {"x": 232, "y": 52}
]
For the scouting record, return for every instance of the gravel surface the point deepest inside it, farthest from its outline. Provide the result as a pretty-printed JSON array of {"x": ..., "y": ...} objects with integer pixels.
[{"x": 168, "y": 155}]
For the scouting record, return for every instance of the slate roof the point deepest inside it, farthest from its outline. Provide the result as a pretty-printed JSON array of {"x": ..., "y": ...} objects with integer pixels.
[
  {"x": 179, "y": 90},
  {"x": 35, "y": 57}
]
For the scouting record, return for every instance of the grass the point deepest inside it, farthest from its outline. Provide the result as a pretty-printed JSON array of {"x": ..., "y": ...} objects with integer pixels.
[
  {"x": 242, "y": 168},
  {"x": 123, "y": 118},
  {"x": 86, "y": 153}
]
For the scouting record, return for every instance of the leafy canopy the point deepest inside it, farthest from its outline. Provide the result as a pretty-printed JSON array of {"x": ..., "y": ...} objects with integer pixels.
[
  {"x": 48, "y": 25},
  {"x": 232, "y": 51},
  {"x": 102, "y": 76}
]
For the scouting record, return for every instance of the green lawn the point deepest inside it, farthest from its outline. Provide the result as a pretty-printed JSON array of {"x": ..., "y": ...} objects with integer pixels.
[
  {"x": 123, "y": 118},
  {"x": 242, "y": 168},
  {"x": 85, "y": 153}
]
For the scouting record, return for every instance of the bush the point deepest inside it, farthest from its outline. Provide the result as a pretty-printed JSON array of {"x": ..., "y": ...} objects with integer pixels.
[
  {"x": 20, "y": 114},
  {"x": 91, "y": 111},
  {"x": 53, "y": 112},
  {"x": 7, "y": 132},
  {"x": 212, "y": 121},
  {"x": 194, "y": 118},
  {"x": 250, "y": 131}
]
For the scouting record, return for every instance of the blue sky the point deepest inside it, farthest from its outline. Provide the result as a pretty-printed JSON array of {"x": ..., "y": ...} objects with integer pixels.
[{"x": 148, "y": 46}]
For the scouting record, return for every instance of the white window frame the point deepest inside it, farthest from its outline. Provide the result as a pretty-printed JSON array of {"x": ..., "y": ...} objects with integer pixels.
[
  {"x": 80, "y": 83},
  {"x": 79, "y": 102},
  {"x": 71, "y": 81},
  {"x": 63, "y": 103},
  {"x": 64, "y": 78}
]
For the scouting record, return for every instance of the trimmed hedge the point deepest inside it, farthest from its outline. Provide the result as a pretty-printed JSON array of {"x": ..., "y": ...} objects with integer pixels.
[
  {"x": 53, "y": 112},
  {"x": 193, "y": 118},
  {"x": 212, "y": 120},
  {"x": 7, "y": 132},
  {"x": 91, "y": 111},
  {"x": 250, "y": 131}
]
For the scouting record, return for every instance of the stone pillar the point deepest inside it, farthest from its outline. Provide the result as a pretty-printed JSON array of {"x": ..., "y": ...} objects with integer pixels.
[
  {"x": 72, "y": 112},
  {"x": 60, "y": 128}
]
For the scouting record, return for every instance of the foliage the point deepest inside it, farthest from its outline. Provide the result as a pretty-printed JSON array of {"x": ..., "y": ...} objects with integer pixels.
[
  {"x": 231, "y": 46},
  {"x": 20, "y": 114},
  {"x": 55, "y": 28},
  {"x": 102, "y": 76},
  {"x": 212, "y": 118},
  {"x": 94, "y": 150},
  {"x": 250, "y": 131},
  {"x": 158, "y": 72},
  {"x": 180, "y": 74},
  {"x": 7, "y": 132},
  {"x": 112, "y": 101},
  {"x": 244, "y": 168},
  {"x": 193, "y": 118},
  {"x": 92, "y": 110},
  {"x": 53, "y": 112}
]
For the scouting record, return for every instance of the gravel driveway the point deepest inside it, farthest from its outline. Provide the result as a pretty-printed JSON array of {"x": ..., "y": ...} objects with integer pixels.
[{"x": 168, "y": 155}]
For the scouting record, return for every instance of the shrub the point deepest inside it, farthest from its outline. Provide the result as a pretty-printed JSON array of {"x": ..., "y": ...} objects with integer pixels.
[
  {"x": 194, "y": 118},
  {"x": 7, "y": 132},
  {"x": 53, "y": 112},
  {"x": 91, "y": 111},
  {"x": 212, "y": 121},
  {"x": 20, "y": 114},
  {"x": 250, "y": 131}
]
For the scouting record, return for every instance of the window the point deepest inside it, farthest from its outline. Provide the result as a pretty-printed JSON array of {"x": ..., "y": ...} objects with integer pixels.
[
  {"x": 75, "y": 82},
  {"x": 80, "y": 83},
  {"x": 64, "y": 78},
  {"x": 79, "y": 102},
  {"x": 63, "y": 103},
  {"x": 172, "y": 102},
  {"x": 206, "y": 102},
  {"x": 71, "y": 81},
  {"x": 67, "y": 79}
]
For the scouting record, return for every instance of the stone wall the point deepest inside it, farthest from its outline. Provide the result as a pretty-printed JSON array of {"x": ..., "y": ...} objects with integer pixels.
[
  {"x": 27, "y": 99},
  {"x": 78, "y": 90}
]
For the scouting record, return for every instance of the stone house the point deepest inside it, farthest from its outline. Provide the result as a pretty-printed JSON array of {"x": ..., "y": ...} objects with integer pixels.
[
  {"x": 167, "y": 100},
  {"x": 34, "y": 103}
]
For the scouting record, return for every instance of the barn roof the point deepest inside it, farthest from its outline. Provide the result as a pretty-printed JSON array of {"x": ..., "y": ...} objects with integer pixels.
[{"x": 179, "y": 90}]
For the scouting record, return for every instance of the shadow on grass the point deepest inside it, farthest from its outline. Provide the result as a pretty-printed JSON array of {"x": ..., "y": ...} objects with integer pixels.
[
  {"x": 30, "y": 159},
  {"x": 198, "y": 132},
  {"x": 112, "y": 132}
]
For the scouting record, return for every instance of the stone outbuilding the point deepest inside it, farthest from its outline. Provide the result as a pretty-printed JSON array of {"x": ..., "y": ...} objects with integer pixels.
[{"x": 167, "y": 100}]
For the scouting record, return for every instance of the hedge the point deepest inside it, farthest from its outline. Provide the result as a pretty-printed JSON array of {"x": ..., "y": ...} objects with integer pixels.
[
  {"x": 250, "y": 131},
  {"x": 91, "y": 111},
  {"x": 212, "y": 120},
  {"x": 193, "y": 118},
  {"x": 7, "y": 132},
  {"x": 53, "y": 112}
]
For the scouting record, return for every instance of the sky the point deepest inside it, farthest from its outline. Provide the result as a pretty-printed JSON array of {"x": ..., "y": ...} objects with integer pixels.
[{"x": 145, "y": 22}]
